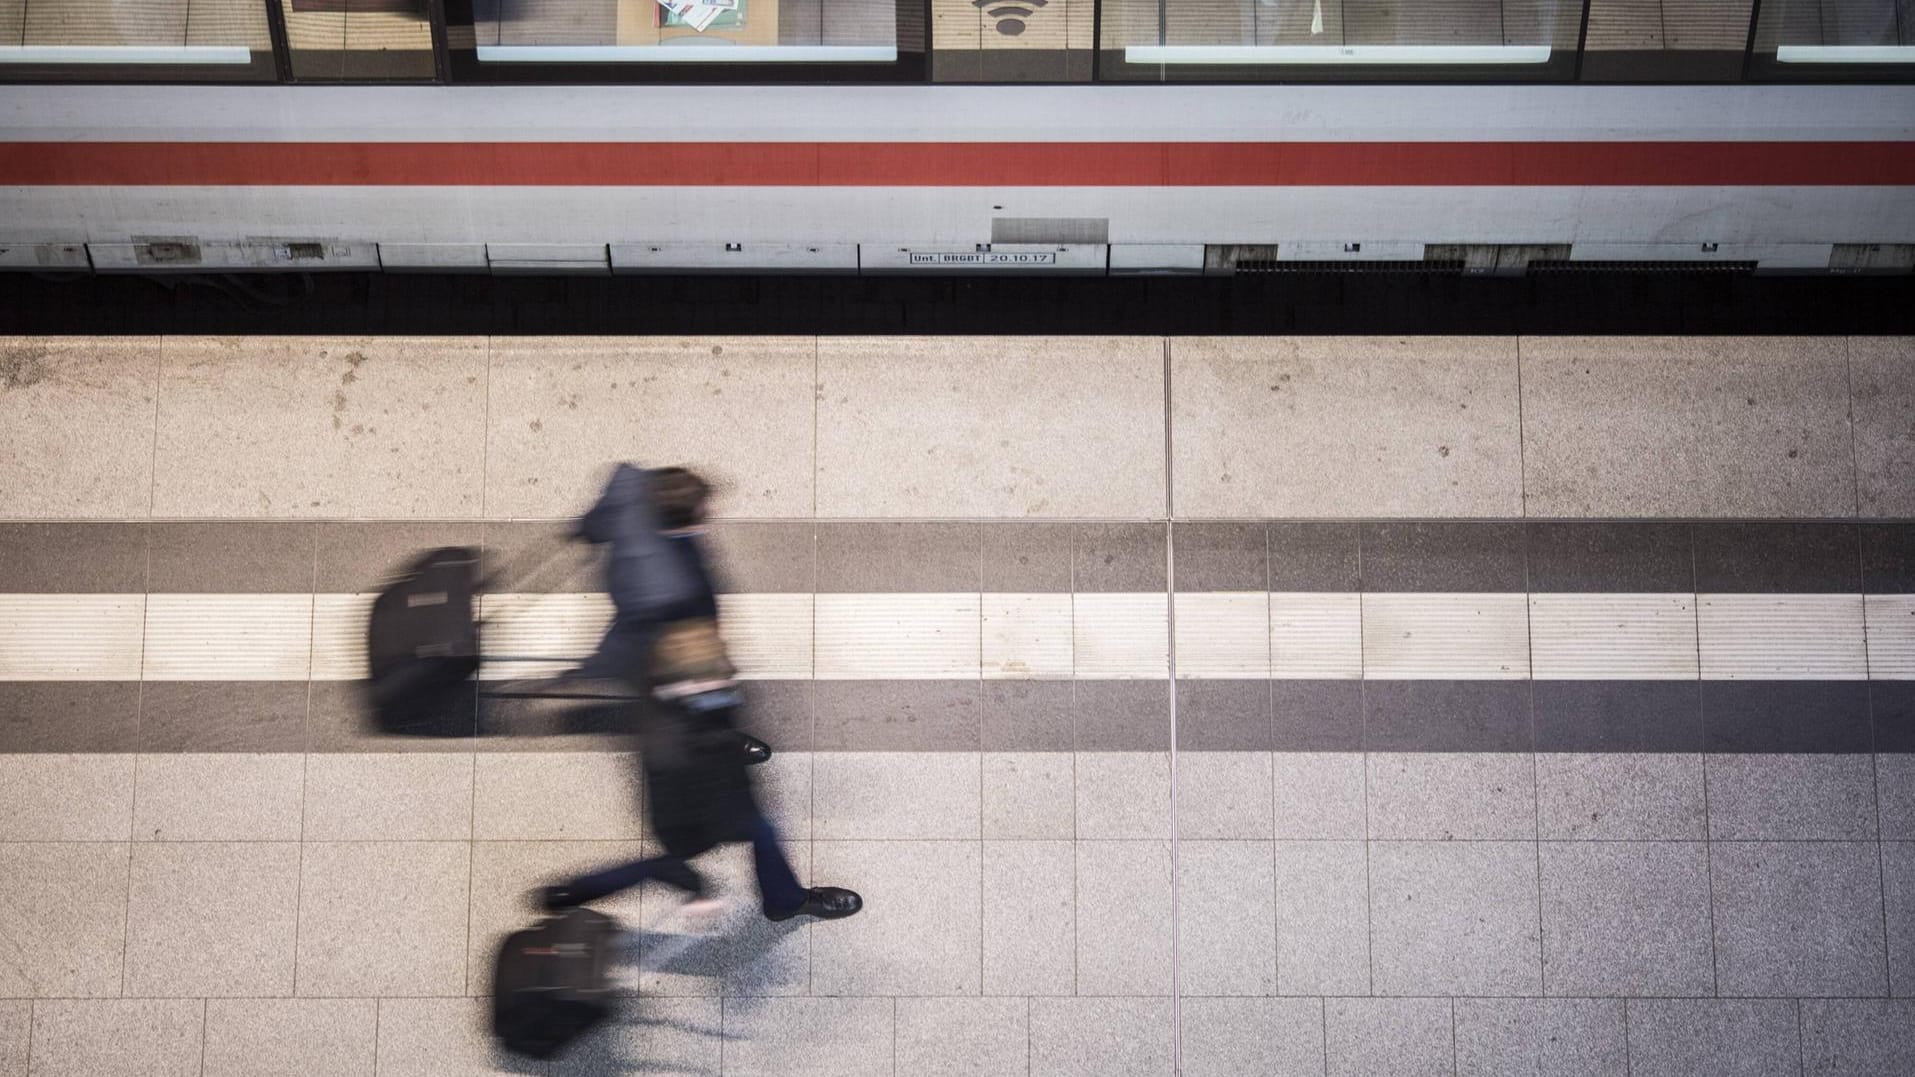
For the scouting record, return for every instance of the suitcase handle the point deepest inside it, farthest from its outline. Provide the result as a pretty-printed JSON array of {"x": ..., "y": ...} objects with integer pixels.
[
  {"x": 528, "y": 565},
  {"x": 540, "y": 559},
  {"x": 554, "y": 693}
]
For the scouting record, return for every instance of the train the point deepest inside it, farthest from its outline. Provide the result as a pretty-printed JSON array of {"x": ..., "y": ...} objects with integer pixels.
[{"x": 944, "y": 179}]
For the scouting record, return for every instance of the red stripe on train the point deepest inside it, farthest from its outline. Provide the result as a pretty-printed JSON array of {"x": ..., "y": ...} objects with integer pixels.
[{"x": 958, "y": 164}]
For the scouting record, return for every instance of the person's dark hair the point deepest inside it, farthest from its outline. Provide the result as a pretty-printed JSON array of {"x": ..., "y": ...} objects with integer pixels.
[{"x": 679, "y": 496}]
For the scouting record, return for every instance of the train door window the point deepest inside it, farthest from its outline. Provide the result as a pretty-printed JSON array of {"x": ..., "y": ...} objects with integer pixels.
[
  {"x": 685, "y": 40},
  {"x": 135, "y": 41},
  {"x": 359, "y": 40},
  {"x": 1339, "y": 40},
  {"x": 1835, "y": 40}
]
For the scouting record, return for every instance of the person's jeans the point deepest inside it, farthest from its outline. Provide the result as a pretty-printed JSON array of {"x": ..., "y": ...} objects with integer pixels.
[{"x": 778, "y": 887}]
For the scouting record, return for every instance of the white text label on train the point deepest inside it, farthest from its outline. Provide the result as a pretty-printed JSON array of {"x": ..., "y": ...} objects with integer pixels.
[{"x": 983, "y": 258}]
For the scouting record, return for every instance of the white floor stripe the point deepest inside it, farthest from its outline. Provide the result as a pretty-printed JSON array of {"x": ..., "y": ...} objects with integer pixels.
[
  {"x": 339, "y": 636},
  {"x": 1316, "y": 635},
  {"x": 1120, "y": 636},
  {"x": 1223, "y": 634},
  {"x": 1891, "y": 637},
  {"x": 228, "y": 637},
  {"x": 563, "y": 627},
  {"x": 769, "y": 635},
  {"x": 1464, "y": 636},
  {"x": 214, "y": 637},
  {"x": 1782, "y": 637},
  {"x": 898, "y": 636},
  {"x": 1027, "y": 636},
  {"x": 70, "y": 637},
  {"x": 1613, "y": 636}
]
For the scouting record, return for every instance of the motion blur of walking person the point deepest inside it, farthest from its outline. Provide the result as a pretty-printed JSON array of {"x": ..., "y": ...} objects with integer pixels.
[
  {"x": 664, "y": 641},
  {"x": 664, "y": 631}
]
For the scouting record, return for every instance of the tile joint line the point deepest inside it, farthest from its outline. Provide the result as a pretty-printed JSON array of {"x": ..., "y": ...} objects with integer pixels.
[
  {"x": 1170, "y": 661},
  {"x": 1708, "y": 821},
  {"x": 139, "y": 718},
  {"x": 1855, "y": 453},
  {"x": 1535, "y": 741},
  {"x": 1454, "y": 1067}
]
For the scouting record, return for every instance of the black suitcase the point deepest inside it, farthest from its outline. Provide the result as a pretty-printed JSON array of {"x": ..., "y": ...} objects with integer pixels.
[
  {"x": 422, "y": 640},
  {"x": 551, "y": 982}
]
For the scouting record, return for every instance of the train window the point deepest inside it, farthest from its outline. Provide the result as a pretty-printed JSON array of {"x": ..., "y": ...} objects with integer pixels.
[
  {"x": 359, "y": 40},
  {"x": 1666, "y": 40},
  {"x": 1835, "y": 40},
  {"x": 1338, "y": 40},
  {"x": 989, "y": 41},
  {"x": 135, "y": 41},
  {"x": 685, "y": 40},
  {"x": 1013, "y": 40}
]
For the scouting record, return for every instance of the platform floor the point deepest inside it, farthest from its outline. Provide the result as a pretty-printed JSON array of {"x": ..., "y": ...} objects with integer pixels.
[{"x": 1330, "y": 706}]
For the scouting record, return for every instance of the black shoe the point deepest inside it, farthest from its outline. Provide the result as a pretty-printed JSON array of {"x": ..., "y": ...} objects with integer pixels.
[
  {"x": 825, "y": 903},
  {"x": 555, "y": 898},
  {"x": 756, "y": 751}
]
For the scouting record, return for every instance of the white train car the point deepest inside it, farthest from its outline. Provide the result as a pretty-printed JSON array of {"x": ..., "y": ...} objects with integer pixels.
[{"x": 939, "y": 179}]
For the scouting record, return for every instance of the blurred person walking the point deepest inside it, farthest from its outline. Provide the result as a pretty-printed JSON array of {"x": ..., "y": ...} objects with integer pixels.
[{"x": 664, "y": 640}]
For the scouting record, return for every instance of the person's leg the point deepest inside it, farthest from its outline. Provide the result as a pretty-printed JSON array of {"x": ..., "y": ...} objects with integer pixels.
[
  {"x": 671, "y": 870},
  {"x": 784, "y": 897},
  {"x": 778, "y": 886}
]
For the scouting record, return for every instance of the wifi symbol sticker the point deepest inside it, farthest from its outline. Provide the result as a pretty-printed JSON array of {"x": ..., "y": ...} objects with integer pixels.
[{"x": 1010, "y": 17}]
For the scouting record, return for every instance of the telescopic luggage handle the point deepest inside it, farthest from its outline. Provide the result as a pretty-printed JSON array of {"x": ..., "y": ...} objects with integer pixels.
[
  {"x": 540, "y": 558},
  {"x": 527, "y": 567},
  {"x": 587, "y": 697},
  {"x": 530, "y": 565}
]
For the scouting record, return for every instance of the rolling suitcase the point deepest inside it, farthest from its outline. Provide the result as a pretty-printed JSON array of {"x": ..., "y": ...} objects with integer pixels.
[
  {"x": 551, "y": 982},
  {"x": 422, "y": 640}
]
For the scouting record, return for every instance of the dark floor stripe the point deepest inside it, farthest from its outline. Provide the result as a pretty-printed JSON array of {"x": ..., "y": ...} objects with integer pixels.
[
  {"x": 69, "y": 716},
  {"x": 1313, "y": 557},
  {"x": 1892, "y": 713},
  {"x": 1316, "y": 716},
  {"x": 1222, "y": 557},
  {"x": 223, "y": 716},
  {"x": 361, "y": 556},
  {"x": 73, "y": 558},
  {"x": 1028, "y": 716},
  {"x": 1224, "y": 715},
  {"x": 1017, "y": 556},
  {"x": 1761, "y": 558},
  {"x": 1443, "y": 556},
  {"x": 232, "y": 558},
  {"x": 1447, "y": 716},
  {"x": 1618, "y": 716},
  {"x": 341, "y": 721},
  {"x": 1786, "y": 716},
  {"x": 971, "y": 715},
  {"x": 1631, "y": 558},
  {"x": 1888, "y": 558}
]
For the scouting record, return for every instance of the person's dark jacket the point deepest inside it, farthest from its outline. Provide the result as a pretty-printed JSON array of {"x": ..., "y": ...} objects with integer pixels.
[
  {"x": 646, "y": 576},
  {"x": 697, "y": 790}
]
